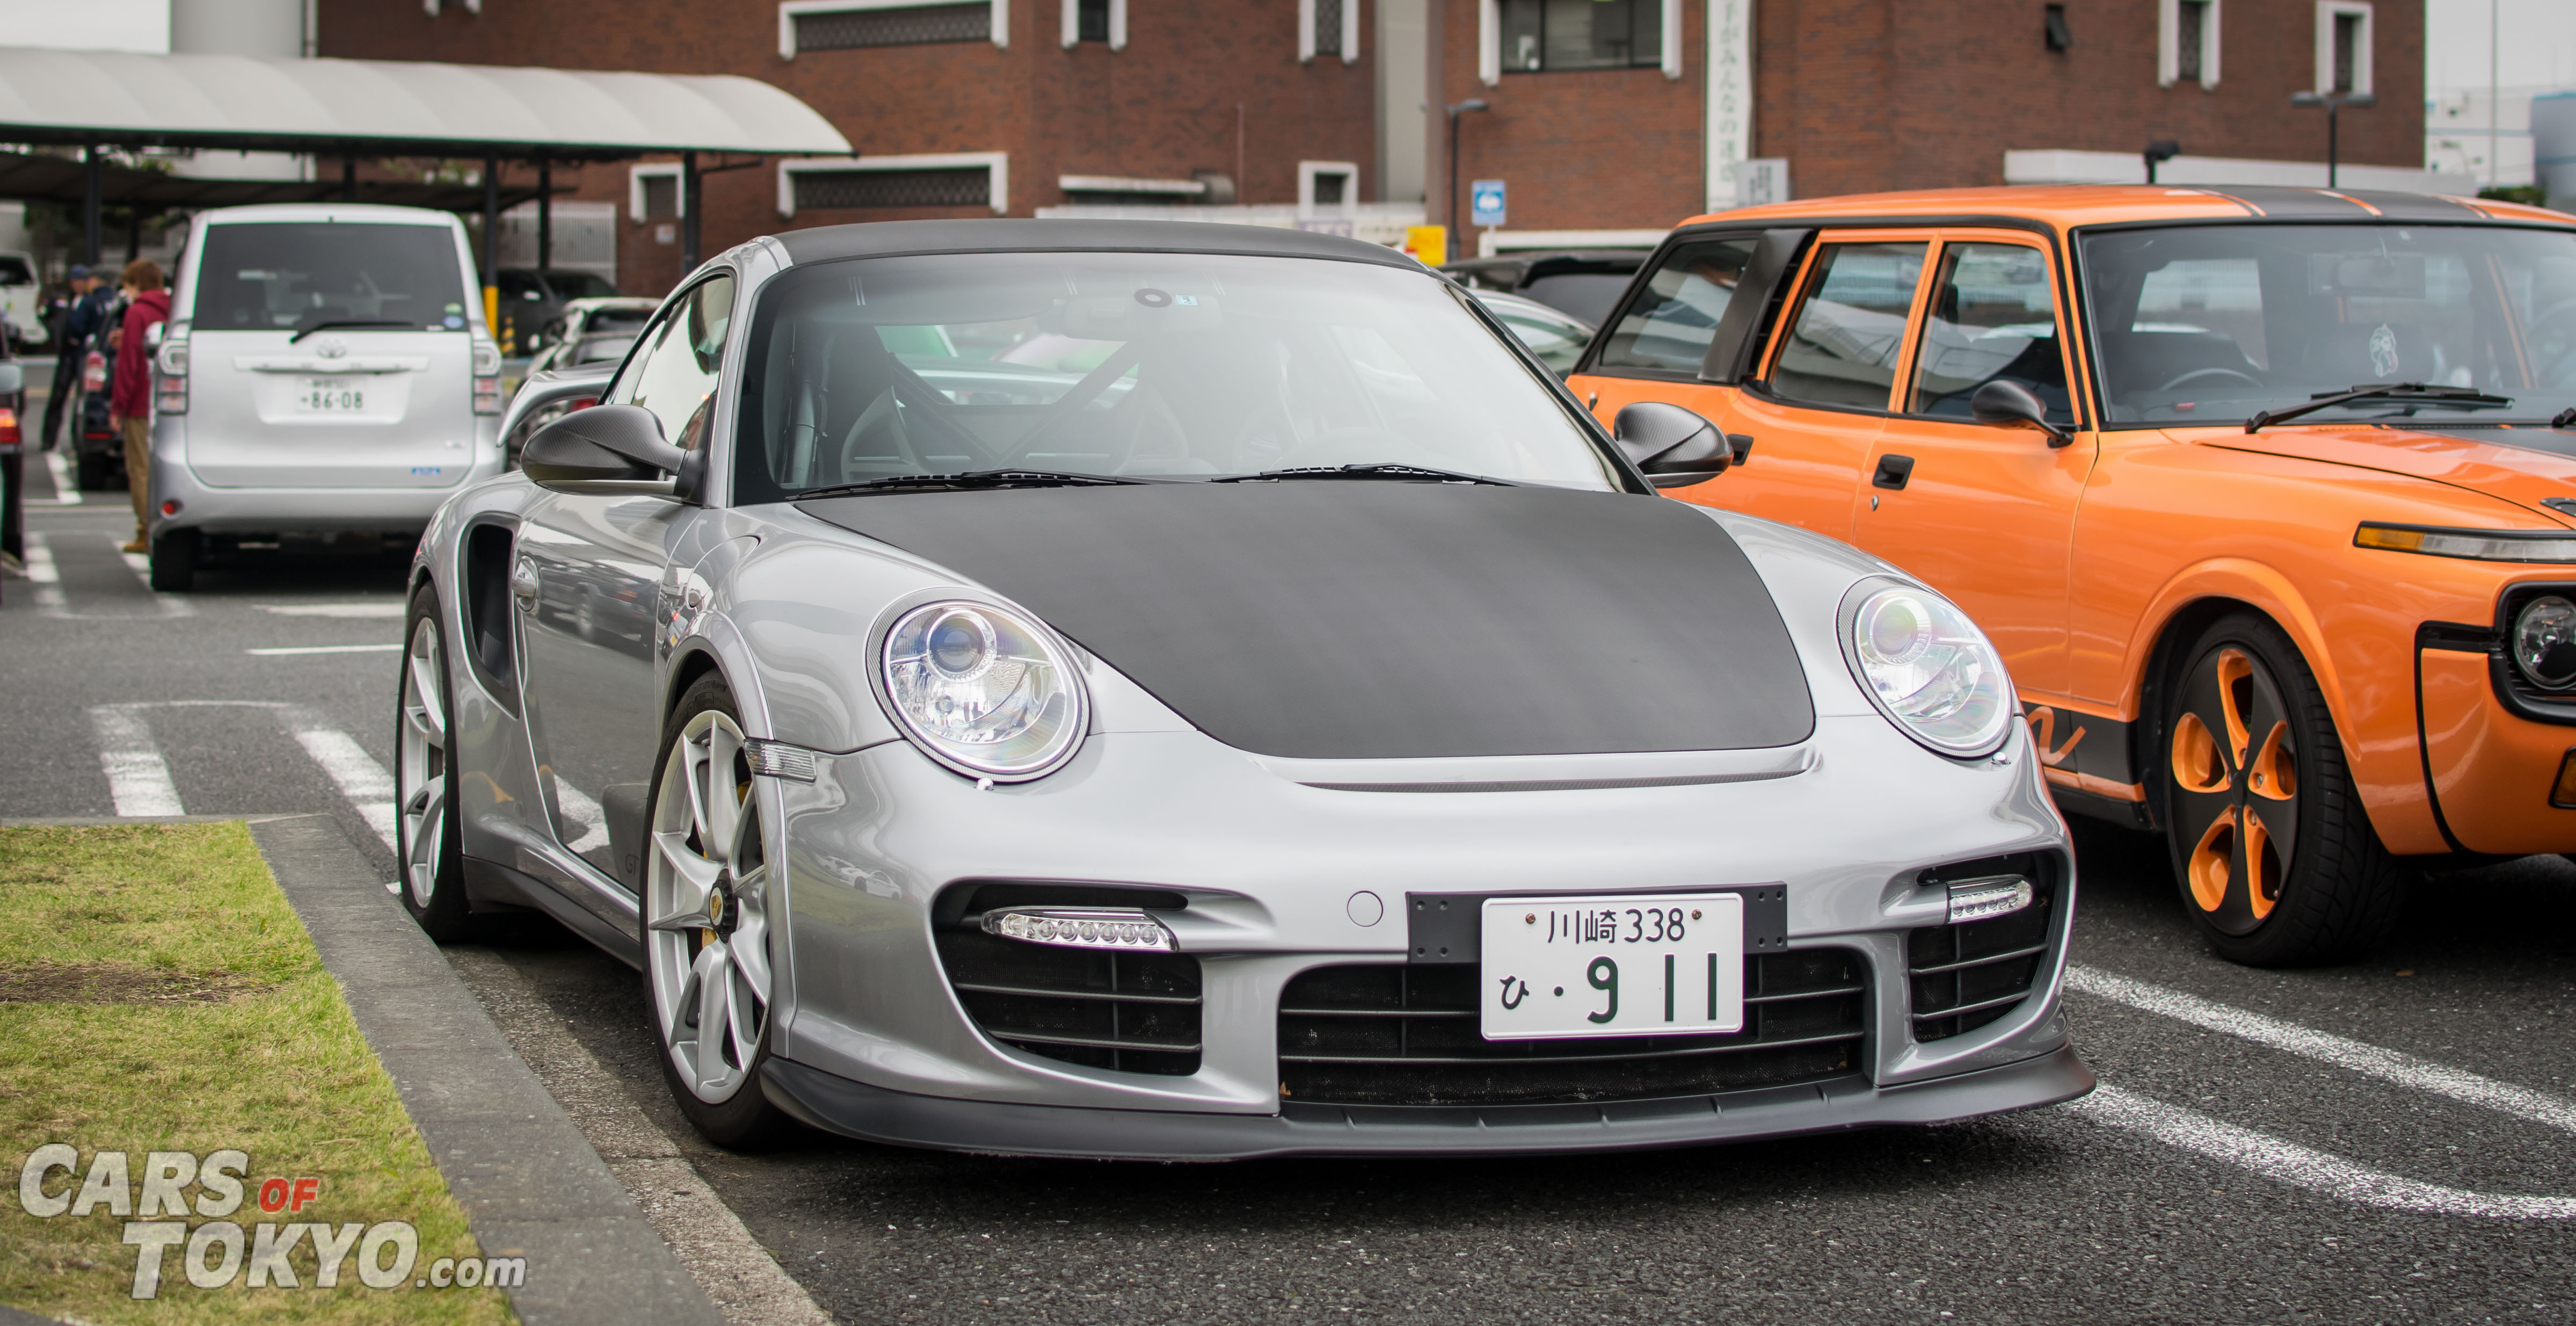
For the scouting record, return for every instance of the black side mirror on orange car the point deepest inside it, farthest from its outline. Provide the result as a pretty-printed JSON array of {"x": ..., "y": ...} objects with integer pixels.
[
  {"x": 2002, "y": 404},
  {"x": 1675, "y": 447}
]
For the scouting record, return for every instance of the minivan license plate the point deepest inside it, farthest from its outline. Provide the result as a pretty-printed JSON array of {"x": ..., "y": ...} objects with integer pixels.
[
  {"x": 330, "y": 396},
  {"x": 1640, "y": 965}
]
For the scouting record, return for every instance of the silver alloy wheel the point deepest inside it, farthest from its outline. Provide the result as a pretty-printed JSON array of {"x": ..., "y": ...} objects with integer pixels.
[
  {"x": 421, "y": 772},
  {"x": 706, "y": 932}
]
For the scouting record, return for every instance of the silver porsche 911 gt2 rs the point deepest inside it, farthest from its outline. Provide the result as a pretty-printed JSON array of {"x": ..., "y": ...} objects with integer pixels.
[{"x": 1185, "y": 691}]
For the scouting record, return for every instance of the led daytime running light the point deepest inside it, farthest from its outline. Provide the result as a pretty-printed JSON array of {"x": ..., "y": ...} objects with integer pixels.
[{"x": 1126, "y": 928}]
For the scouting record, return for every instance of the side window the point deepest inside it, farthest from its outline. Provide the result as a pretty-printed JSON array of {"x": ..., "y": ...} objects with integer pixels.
[
  {"x": 1850, "y": 325},
  {"x": 1993, "y": 318},
  {"x": 1667, "y": 328},
  {"x": 674, "y": 374}
]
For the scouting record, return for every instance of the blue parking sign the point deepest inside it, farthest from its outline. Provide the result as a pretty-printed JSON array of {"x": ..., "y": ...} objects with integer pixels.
[{"x": 1485, "y": 201}]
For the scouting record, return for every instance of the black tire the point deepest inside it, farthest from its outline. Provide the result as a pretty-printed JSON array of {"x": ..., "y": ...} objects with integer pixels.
[
  {"x": 432, "y": 889},
  {"x": 745, "y": 1120},
  {"x": 2335, "y": 891},
  {"x": 174, "y": 561}
]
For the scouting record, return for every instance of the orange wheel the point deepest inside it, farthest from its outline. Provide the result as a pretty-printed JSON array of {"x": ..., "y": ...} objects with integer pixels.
[{"x": 2275, "y": 860}]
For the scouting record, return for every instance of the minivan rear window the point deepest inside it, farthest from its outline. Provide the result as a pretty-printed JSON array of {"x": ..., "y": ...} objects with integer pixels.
[
  {"x": 300, "y": 274},
  {"x": 13, "y": 270}
]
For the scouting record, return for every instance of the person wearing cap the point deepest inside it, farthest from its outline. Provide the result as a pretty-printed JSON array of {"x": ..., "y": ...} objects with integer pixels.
[
  {"x": 80, "y": 320},
  {"x": 129, "y": 401}
]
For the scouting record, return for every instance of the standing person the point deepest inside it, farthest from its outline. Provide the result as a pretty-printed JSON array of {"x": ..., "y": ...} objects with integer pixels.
[
  {"x": 129, "y": 401},
  {"x": 72, "y": 331}
]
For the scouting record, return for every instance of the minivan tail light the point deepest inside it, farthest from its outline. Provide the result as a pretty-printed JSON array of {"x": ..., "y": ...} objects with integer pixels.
[
  {"x": 487, "y": 378},
  {"x": 170, "y": 394}
]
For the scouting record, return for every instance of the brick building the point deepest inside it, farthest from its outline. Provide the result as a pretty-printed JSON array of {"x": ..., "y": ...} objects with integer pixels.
[
  {"x": 980, "y": 108},
  {"x": 1617, "y": 114},
  {"x": 1607, "y": 119}
]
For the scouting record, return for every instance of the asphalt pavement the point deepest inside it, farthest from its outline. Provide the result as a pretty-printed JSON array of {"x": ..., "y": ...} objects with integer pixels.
[{"x": 2384, "y": 1142}]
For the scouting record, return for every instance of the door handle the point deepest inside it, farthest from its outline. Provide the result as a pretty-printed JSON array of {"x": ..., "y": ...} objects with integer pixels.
[
  {"x": 1893, "y": 471},
  {"x": 523, "y": 586}
]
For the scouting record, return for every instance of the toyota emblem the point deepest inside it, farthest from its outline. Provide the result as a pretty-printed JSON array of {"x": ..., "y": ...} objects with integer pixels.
[{"x": 332, "y": 347}]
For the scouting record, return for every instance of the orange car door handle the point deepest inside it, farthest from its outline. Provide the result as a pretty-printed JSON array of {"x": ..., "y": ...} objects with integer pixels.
[{"x": 1893, "y": 471}]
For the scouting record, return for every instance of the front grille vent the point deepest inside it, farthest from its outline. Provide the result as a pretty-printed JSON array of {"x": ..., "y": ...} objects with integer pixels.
[
  {"x": 1128, "y": 1012},
  {"x": 1962, "y": 977},
  {"x": 1407, "y": 1035}
]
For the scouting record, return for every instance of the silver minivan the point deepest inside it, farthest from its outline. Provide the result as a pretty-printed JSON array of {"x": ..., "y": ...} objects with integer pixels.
[{"x": 326, "y": 370}]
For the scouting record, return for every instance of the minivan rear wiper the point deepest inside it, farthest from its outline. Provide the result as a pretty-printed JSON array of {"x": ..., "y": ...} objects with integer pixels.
[
  {"x": 2380, "y": 391},
  {"x": 1385, "y": 469},
  {"x": 970, "y": 479},
  {"x": 302, "y": 332}
]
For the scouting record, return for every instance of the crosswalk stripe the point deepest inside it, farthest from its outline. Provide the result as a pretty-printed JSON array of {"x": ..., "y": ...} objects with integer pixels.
[
  {"x": 44, "y": 575},
  {"x": 138, "y": 779},
  {"x": 66, "y": 492},
  {"x": 364, "y": 782}
]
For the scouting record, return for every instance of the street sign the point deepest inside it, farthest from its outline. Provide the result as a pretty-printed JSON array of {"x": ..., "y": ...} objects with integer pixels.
[{"x": 1485, "y": 202}]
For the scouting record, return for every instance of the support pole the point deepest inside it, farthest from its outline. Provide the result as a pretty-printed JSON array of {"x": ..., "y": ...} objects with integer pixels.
[
  {"x": 133, "y": 231},
  {"x": 90, "y": 190},
  {"x": 2333, "y": 165},
  {"x": 688, "y": 212},
  {"x": 545, "y": 213},
  {"x": 349, "y": 178},
  {"x": 492, "y": 245}
]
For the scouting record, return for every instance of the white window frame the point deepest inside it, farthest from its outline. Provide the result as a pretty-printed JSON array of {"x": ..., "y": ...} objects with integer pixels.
[
  {"x": 1069, "y": 24},
  {"x": 2169, "y": 38},
  {"x": 1672, "y": 25},
  {"x": 789, "y": 9},
  {"x": 1308, "y": 208},
  {"x": 998, "y": 187},
  {"x": 2363, "y": 59},
  {"x": 1489, "y": 42},
  {"x": 655, "y": 170},
  {"x": 1306, "y": 31}
]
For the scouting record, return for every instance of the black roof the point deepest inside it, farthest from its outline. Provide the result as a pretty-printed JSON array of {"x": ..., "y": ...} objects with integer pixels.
[{"x": 1000, "y": 235}]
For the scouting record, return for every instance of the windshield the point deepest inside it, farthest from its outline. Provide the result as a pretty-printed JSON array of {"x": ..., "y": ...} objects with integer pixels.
[
  {"x": 1176, "y": 366},
  {"x": 298, "y": 275},
  {"x": 2208, "y": 324}
]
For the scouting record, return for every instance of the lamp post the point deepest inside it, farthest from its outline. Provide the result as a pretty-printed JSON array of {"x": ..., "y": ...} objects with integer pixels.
[
  {"x": 2159, "y": 152},
  {"x": 2333, "y": 102},
  {"x": 1457, "y": 109}
]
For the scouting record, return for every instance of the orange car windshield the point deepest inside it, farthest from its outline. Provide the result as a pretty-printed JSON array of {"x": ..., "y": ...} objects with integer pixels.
[{"x": 2210, "y": 324}]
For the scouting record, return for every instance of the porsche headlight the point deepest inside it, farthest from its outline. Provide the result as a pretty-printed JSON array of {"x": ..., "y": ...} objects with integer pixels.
[
  {"x": 982, "y": 690},
  {"x": 1928, "y": 667}
]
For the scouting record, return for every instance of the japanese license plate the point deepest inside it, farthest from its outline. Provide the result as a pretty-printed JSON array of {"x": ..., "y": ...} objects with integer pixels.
[
  {"x": 330, "y": 396},
  {"x": 1643, "y": 965}
]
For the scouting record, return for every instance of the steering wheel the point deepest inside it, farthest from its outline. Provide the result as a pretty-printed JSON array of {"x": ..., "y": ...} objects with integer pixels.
[{"x": 2198, "y": 373}]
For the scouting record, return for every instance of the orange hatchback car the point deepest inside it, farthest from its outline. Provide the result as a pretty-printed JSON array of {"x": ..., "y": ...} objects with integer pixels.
[{"x": 2267, "y": 495}]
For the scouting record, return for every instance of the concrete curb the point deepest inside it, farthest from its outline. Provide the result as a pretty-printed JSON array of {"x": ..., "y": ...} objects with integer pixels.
[{"x": 529, "y": 1182}]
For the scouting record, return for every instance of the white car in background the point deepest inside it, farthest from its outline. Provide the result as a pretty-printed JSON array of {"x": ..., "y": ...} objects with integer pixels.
[{"x": 22, "y": 300}]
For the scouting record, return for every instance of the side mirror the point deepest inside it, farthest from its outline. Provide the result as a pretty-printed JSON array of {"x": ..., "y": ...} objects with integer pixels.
[
  {"x": 1675, "y": 447},
  {"x": 2001, "y": 404},
  {"x": 605, "y": 443}
]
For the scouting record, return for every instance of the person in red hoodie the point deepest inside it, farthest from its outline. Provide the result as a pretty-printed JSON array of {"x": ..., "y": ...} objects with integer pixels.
[{"x": 129, "y": 398}]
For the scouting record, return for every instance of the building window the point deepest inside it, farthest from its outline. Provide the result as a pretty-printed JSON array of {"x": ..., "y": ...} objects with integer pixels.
[
  {"x": 1328, "y": 27},
  {"x": 957, "y": 179},
  {"x": 833, "y": 25},
  {"x": 653, "y": 192},
  {"x": 2188, "y": 32},
  {"x": 1543, "y": 35},
  {"x": 1327, "y": 188},
  {"x": 1094, "y": 20},
  {"x": 2343, "y": 46}
]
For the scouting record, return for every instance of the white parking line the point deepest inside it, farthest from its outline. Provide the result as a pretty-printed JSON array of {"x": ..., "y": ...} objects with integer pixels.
[
  {"x": 45, "y": 576},
  {"x": 2291, "y": 1163},
  {"x": 332, "y": 609},
  {"x": 2387, "y": 1065},
  {"x": 323, "y": 649},
  {"x": 66, "y": 492},
  {"x": 364, "y": 782},
  {"x": 138, "y": 779}
]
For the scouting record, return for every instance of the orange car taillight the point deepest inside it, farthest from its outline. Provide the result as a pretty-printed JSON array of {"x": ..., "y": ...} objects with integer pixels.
[{"x": 8, "y": 427}]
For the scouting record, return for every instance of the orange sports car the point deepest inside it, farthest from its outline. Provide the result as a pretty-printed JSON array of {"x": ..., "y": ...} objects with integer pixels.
[{"x": 2268, "y": 496}]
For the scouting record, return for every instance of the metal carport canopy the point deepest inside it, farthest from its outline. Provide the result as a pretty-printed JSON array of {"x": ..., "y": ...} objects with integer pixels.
[{"x": 394, "y": 107}]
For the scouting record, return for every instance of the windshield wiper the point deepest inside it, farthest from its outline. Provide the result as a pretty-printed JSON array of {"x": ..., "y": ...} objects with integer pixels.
[
  {"x": 2380, "y": 391},
  {"x": 302, "y": 332},
  {"x": 972, "y": 479},
  {"x": 1385, "y": 469}
]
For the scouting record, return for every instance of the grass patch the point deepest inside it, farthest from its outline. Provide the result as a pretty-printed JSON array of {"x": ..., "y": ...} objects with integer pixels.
[{"x": 158, "y": 994}]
